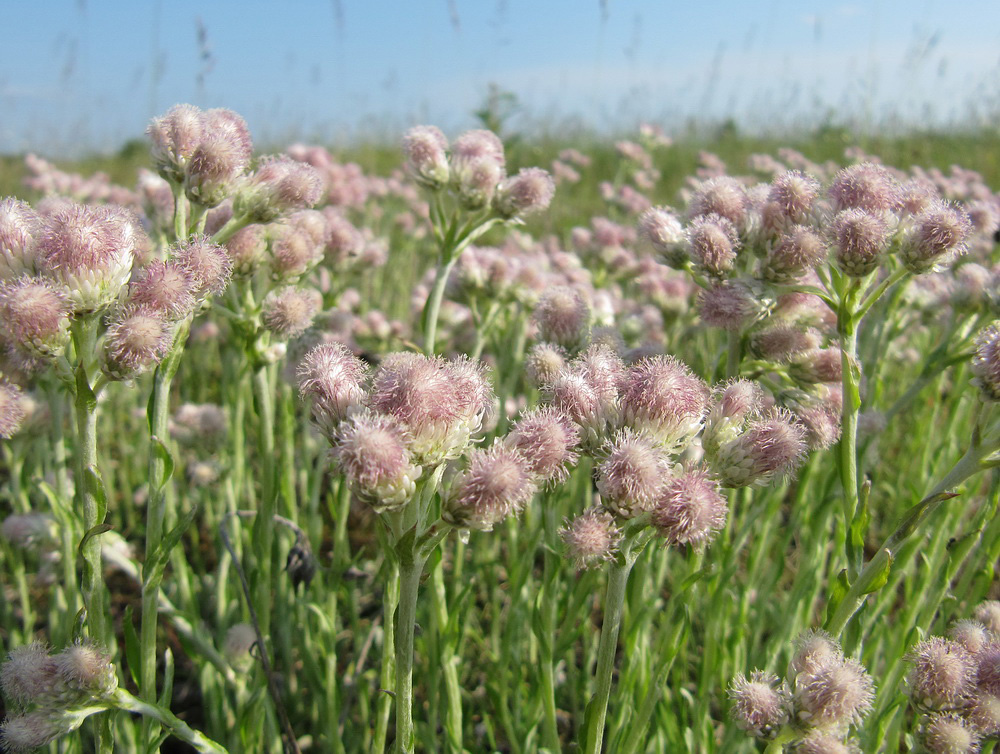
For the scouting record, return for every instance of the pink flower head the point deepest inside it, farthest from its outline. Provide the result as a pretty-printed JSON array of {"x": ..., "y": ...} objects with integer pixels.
[
  {"x": 207, "y": 264},
  {"x": 836, "y": 694},
  {"x": 543, "y": 363},
  {"x": 986, "y": 362},
  {"x": 770, "y": 448},
  {"x": 563, "y": 317},
  {"x": 814, "y": 650},
  {"x": 798, "y": 250},
  {"x": 632, "y": 473},
  {"x": 288, "y": 312},
  {"x": 333, "y": 379},
  {"x": 425, "y": 148},
  {"x": 944, "y": 673},
  {"x": 86, "y": 668},
  {"x": 866, "y": 186},
  {"x": 662, "y": 397},
  {"x": 371, "y": 450},
  {"x": 528, "y": 192},
  {"x": 690, "y": 510},
  {"x": 988, "y": 613},
  {"x": 664, "y": 231},
  {"x": 175, "y": 136},
  {"x": 137, "y": 339},
  {"x": 19, "y": 228},
  {"x": 89, "y": 250},
  {"x": 971, "y": 634},
  {"x": 547, "y": 440},
  {"x": 712, "y": 244},
  {"x": 794, "y": 193},
  {"x": 591, "y": 538},
  {"x": 293, "y": 253},
  {"x": 477, "y": 167},
  {"x": 36, "y": 315},
  {"x": 780, "y": 341},
  {"x": 341, "y": 241},
  {"x": 937, "y": 235},
  {"x": 441, "y": 404},
  {"x": 759, "y": 705},
  {"x": 166, "y": 287},
  {"x": 860, "y": 239},
  {"x": 984, "y": 713},
  {"x": 735, "y": 403},
  {"x": 817, "y": 365},
  {"x": 247, "y": 250},
  {"x": 11, "y": 409},
  {"x": 823, "y": 741},
  {"x": 279, "y": 185},
  {"x": 949, "y": 733},
  {"x": 476, "y": 145},
  {"x": 730, "y": 305},
  {"x": 215, "y": 169},
  {"x": 497, "y": 483},
  {"x": 723, "y": 196}
]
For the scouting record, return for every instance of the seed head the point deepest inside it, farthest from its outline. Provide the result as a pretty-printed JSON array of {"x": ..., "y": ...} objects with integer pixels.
[
  {"x": 837, "y": 694},
  {"x": 89, "y": 250},
  {"x": 11, "y": 409},
  {"x": 865, "y": 186},
  {"x": 527, "y": 193},
  {"x": 690, "y": 509},
  {"x": 760, "y": 706},
  {"x": 425, "y": 148},
  {"x": 371, "y": 451},
  {"x": 662, "y": 397},
  {"x": 563, "y": 317},
  {"x": 547, "y": 439},
  {"x": 137, "y": 339},
  {"x": 591, "y": 538},
  {"x": 986, "y": 368},
  {"x": 288, "y": 312},
  {"x": 631, "y": 474},
  {"x": 949, "y": 733},
  {"x": 166, "y": 287},
  {"x": 943, "y": 674},
  {"x": 497, "y": 483},
  {"x": 860, "y": 238},
  {"x": 36, "y": 315},
  {"x": 333, "y": 380},
  {"x": 19, "y": 228}
]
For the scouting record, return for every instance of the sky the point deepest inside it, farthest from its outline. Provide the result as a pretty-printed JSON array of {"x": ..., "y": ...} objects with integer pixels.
[{"x": 87, "y": 75}]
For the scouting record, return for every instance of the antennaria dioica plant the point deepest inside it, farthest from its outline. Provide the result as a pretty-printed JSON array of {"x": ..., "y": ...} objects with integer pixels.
[{"x": 675, "y": 444}]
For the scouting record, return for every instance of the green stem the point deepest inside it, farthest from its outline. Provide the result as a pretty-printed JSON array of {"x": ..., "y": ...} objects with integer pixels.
[
  {"x": 848, "y": 328},
  {"x": 548, "y": 605},
  {"x": 263, "y": 533},
  {"x": 432, "y": 308},
  {"x": 409, "y": 585},
  {"x": 387, "y": 679},
  {"x": 125, "y": 701},
  {"x": 613, "y": 603}
]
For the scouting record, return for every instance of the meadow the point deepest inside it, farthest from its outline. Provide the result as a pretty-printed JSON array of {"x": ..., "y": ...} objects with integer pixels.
[{"x": 501, "y": 443}]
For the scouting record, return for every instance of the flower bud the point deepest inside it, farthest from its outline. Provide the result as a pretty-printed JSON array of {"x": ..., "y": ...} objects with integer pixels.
[
  {"x": 278, "y": 186},
  {"x": 665, "y": 233},
  {"x": 543, "y": 363},
  {"x": 36, "y": 316},
  {"x": 528, "y": 192},
  {"x": 662, "y": 397},
  {"x": 971, "y": 634},
  {"x": 712, "y": 245},
  {"x": 247, "y": 250},
  {"x": 207, "y": 264},
  {"x": 793, "y": 193},
  {"x": 175, "y": 136},
  {"x": 87, "y": 669},
  {"x": 770, "y": 448},
  {"x": 759, "y": 705},
  {"x": 166, "y": 287},
  {"x": 865, "y": 186},
  {"x": 293, "y": 253},
  {"x": 798, "y": 250},
  {"x": 722, "y": 196},
  {"x": 425, "y": 148},
  {"x": 936, "y": 235},
  {"x": 591, "y": 538},
  {"x": 814, "y": 650},
  {"x": 988, "y": 613},
  {"x": 497, "y": 483},
  {"x": 837, "y": 694},
  {"x": 24, "y": 733}
]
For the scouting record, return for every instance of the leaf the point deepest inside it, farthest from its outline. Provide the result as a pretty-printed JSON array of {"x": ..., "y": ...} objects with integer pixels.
[
  {"x": 94, "y": 486},
  {"x": 162, "y": 452},
  {"x": 156, "y": 562},
  {"x": 168, "y": 678},
  {"x": 95, "y": 532},
  {"x": 838, "y": 590},
  {"x": 84, "y": 395},
  {"x": 132, "y": 648},
  {"x": 880, "y": 578}
]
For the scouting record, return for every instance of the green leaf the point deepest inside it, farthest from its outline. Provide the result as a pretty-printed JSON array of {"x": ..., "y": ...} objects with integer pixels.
[
  {"x": 132, "y": 650},
  {"x": 162, "y": 452},
  {"x": 95, "y": 532},
  {"x": 838, "y": 590},
  {"x": 156, "y": 561},
  {"x": 880, "y": 578},
  {"x": 94, "y": 486},
  {"x": 168, "y": 678}
]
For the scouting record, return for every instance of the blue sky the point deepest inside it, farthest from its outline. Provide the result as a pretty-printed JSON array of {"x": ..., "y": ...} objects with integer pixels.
[{"x": 88, "y": 74}]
